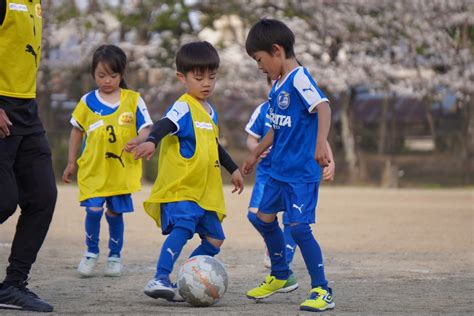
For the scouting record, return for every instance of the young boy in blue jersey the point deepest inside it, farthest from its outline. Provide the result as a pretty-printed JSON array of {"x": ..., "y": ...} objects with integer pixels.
[
  {"x": 188, "y": 197},
  {"x": 256, "y": 128},
  {"x": 300, "y": 117}
]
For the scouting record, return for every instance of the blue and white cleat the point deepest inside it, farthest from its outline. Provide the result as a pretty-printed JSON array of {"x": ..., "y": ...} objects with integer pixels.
[{"x": 162, "y": 288}]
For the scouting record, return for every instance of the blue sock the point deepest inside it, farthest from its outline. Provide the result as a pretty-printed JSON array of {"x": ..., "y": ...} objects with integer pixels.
[
  {"x": 275, "y": 242},
  {"x": 170, "y": 251},
  {"x": 116, "y": 228},
  {"x": 206, "y": 249},
  {"x": 252, "y": 217},
  {"x": 312, "y": 254},
  {"x": 290, "y": 244},
  {"x": 92, "y": 226}
]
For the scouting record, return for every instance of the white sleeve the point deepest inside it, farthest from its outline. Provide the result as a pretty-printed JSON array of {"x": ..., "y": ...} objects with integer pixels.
[
  {"x": 75, "y": 123},
  {"x": 252, "y": 124},
  {"x": 308, "y": 91},
  {"x": 143, "y": 116},
  {"x": 176, "y": 113}
]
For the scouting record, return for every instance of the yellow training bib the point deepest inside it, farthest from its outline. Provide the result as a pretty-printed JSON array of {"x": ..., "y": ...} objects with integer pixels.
[
  {"x": 195, "y": 179},
  {"x": 20, "y": 48},
  {"x": 105, "y": 169}
]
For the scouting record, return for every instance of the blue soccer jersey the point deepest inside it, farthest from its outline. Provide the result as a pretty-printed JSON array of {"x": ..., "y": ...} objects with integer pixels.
[
  {"x": 180, "y": 115},
  {"x": 258, "y": 126},
  {"x": 291, "y": 102},
  {"x": 102, "y": 107}
]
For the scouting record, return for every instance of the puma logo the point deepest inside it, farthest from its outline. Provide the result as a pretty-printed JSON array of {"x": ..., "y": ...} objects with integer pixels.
[
  {"x": 31, "y": 50},
  {"x": 89, "y": 236},
  {"x": 114, "y": 156},
  {"x": 298, "y": 207},
  {"x": 115, "y": 241},
  {"x": 290, "y": 247},
  {"x": 308, "y": 89},
  {"x": 171, "y": 253},
  {"x": 278, "y": 254}
]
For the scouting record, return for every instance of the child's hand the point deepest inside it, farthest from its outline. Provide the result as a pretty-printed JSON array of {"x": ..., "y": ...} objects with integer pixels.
[
  {"x": 329, "y": 171},
  {"x": 68, "y": 172},
  {"x": 145, "y": 149},
  {"x": 131, "y": 145},
  {"x": 248, "y": 165},
  {"x": 322, "y": 154},
  {"x": 237, "y": 181}
]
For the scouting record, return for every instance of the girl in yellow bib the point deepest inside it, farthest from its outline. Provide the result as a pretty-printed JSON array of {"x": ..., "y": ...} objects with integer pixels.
[
  {"x": 110, "y": 122},
  {"x": 187, "y": 197}
]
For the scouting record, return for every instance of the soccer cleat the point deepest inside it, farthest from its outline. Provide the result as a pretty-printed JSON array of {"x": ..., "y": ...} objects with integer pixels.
[
  {"x": 162, "y": 288},
  {"x": 114, "y": 266},
  {"x": 266, "y": 259},
  {"x": 272, "y": 285},
  {"x": 318, "y": 300},
  {"x": 87, "y": 264},
  {"x": 21, "y": 298}
]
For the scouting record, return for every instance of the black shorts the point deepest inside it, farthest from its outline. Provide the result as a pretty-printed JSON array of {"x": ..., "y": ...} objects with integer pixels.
[{"x": 23, "y": 113}]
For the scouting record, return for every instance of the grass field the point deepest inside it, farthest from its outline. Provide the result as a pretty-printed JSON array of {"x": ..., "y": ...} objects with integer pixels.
[{"x": 386, "y": 251}]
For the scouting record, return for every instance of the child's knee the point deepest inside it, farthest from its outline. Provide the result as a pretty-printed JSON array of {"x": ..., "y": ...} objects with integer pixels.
[
  {"x": 111, "y": 213},
  {"x": 267, "y": 218},
  {"x": 212, "y": 246},
  {"x": 265, "y": 227},
  {"x": 95, "y": 210},
  {"x": 300, "y": 232},
  {"x": 215, "y": 242}
]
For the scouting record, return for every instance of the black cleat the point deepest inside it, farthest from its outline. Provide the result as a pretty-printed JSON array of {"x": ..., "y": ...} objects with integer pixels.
[{"x": 20, "y": 298}]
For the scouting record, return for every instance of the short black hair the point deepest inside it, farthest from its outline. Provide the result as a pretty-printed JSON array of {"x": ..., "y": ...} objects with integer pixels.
[
  {"x": 113, "y": 57},
  {"x": 197, "y": 56},
  {"x": 268, "y": 32}
]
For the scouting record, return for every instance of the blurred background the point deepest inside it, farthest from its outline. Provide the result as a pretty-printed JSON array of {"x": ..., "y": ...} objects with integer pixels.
[{"x": 399, "y": 74}]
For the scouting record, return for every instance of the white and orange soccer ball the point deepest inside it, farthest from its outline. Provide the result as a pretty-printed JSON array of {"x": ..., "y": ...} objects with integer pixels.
[{"x": 202, "y": 281}]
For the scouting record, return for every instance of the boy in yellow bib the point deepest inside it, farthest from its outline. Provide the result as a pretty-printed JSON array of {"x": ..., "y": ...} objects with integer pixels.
[
  {"x": 110, "y": 122},
  {"x": 187, "y": 197}
]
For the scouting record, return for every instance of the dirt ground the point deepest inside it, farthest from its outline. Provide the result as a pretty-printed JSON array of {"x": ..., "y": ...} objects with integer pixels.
[{"x": 386, "y": 251}]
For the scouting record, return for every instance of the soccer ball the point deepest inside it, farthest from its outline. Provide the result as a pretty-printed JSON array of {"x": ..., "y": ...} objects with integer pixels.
[{"x": 202, "y": 280}]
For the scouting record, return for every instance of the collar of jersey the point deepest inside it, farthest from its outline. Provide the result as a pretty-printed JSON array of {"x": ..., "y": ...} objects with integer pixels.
[{"x": 279, "y": 83}]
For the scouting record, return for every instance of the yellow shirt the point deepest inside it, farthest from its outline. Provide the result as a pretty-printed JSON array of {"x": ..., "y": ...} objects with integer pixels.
[
  {"x": 105, "y": 169},
  {"x": 195, "y": 179},
  {"x": 20, "y": 48}
]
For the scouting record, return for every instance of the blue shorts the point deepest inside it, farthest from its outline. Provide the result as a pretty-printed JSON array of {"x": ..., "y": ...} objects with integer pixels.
[
  {"x": 297, "y": 200},
  {"x": 257, "y": 192},
  {"x": 117, "y": 203},
  {"x": 189, "y": 215}
]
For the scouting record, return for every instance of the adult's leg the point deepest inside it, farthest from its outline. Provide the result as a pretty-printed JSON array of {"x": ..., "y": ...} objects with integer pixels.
[
  {"x": 8, "y": 187},
  {"x": 37, "y": 198}
]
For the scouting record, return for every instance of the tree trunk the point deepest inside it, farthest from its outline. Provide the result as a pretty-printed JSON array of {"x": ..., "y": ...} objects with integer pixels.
[
  {"x": 383, "y": 126},
  {"x": 467, "y": 141},
  {"x": 348, "y": 140},
  {"x": 44, "y": 93},
  {"x": 427, "y": 102}
]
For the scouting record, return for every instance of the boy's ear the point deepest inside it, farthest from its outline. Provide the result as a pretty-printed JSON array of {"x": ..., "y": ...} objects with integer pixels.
[
  {"x": 277, "y": 50},
  {"x": 181, "y": 77}
]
